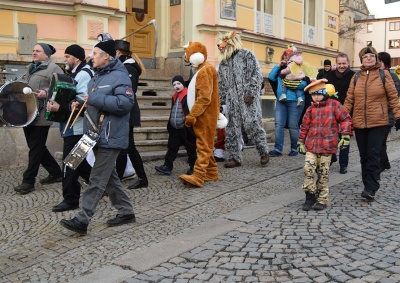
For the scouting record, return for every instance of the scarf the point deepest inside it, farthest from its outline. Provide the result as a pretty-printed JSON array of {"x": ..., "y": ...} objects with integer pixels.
[{"x": 340, "y": 75}]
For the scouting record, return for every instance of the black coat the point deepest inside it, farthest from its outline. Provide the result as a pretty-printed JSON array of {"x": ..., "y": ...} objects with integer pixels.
[{"x": 341, "y": 85}]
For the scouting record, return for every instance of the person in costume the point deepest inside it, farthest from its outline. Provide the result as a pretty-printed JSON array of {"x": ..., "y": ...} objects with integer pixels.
[{"x": 240, "y": 80}]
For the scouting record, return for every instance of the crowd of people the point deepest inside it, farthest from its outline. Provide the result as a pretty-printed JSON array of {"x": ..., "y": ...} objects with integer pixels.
[{"x": 320, "y": 113}]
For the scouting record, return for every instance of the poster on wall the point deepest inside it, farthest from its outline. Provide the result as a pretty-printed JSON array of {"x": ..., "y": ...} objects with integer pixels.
[{"x": 228, "y": 9}]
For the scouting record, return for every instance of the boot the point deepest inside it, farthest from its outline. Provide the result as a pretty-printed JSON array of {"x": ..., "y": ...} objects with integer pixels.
[{"x": 310, "y": 201}]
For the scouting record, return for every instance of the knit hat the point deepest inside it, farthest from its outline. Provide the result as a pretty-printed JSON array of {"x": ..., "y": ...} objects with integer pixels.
[
  {"x": 76, "y": 51},
  {"x": 47, "y": 48},
  {"x": 107, "y": 46},
  {"x": 365, "y": 50},
  {"x": 327, "y": 62},
  {"x": 122, "y": 45},
  {"x": 179, "y": 79}
]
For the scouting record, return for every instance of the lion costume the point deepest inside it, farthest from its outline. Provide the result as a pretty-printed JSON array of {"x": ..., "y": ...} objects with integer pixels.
[
  {"x": 240, "y": 80},
  {"x": 203, "y": 115}
]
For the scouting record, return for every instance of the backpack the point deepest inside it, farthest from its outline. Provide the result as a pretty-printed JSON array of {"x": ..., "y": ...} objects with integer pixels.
[{"x": 381, "y": 73}]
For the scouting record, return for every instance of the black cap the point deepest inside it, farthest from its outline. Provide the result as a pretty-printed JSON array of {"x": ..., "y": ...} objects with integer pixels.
[
  {"x": 76, "y": 51},
  {"x": 107, "y": 46},
  {"x": 327, "y": 62},
  {"x": 179, "y": 79}
]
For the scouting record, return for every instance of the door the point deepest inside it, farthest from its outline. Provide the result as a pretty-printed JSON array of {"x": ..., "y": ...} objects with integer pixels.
[{"x": 142, "y": 12}]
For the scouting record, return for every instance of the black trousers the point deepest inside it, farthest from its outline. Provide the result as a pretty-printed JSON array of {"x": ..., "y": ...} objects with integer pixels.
[
  {"x": 71, "y": 188},
  {"x": 369, "y": 142},
  {"x": 384, "y": 157},
  {"x": 134, "y": 156},
  {"x": 177, "y": 138},
  {"x": 36, "y": 137}
]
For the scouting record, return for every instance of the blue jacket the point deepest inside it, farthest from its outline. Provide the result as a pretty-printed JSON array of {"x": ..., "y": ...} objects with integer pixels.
[
  {"x": 290, "y": 94},
  {"x": 110, "y": 92}
]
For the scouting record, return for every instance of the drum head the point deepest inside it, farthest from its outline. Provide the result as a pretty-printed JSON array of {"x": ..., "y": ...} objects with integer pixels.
[{"x": 16, "y": 108}]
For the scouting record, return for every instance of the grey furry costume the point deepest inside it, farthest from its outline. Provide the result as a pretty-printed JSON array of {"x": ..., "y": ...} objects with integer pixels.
[{"x": 238, "y": 76}]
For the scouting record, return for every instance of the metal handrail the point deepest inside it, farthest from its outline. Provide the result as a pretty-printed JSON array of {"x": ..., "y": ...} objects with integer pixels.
[{"x": 154, "y": 23}]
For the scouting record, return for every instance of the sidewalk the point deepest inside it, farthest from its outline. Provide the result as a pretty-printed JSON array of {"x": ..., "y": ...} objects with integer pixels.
[{"x": 247, "y": 227}]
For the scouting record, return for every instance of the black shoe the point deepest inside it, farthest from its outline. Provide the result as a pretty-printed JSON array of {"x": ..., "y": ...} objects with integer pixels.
[
  {"x": 219, "y": 159},
  {"x": 24, "y": 188},
  {"x": 343, "y": 170},
  {"x": 319, "y": 206},
  {"x": 310, "y": 201},
  {"x": 368, "y": 194},
  {"x": 190, "y": 171},
  {"x": 63, "y": 206},
  {"x": 51, "y": 179},
  {"x": 334, "y": 159},
  {"x": 121, "y": 219},
  {"x": 140, "y": 183},
  {"x": 74, "y": 225},
  {"x": 163, "y": 169}
]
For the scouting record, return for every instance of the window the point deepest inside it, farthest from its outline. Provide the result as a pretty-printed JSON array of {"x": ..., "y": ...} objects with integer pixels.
[
  {"x": 394, "y": 43},
  {"x": 309, "y": 22},
  {"x": 369, "y": 43},
  {"x": 264, "y": 16},
  {"x": 394, "y": 26},
  {"x": 370, "y": 27}
]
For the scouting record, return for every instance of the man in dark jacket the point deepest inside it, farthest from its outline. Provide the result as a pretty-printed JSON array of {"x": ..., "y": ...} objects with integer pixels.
[
  {"x": 323, "y": 72},
  {"x": 109, "y": 100},
  {"x": 135, "y": 69},
  {"x": 39, "y": 75},
  {"x": 341, "y": 78}
]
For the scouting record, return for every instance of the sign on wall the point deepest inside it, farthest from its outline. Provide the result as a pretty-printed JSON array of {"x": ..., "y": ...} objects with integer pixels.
[{"x": 228, "y": 9}]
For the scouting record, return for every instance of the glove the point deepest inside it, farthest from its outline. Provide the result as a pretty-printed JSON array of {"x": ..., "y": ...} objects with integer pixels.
[
  {"x": 248, "y": 99},
  {"x": 397, "y": 124},
  {"x": 345, "y": 141},
  {"x": 301, "y": 148},
  {"x": 190, "y": 121}
]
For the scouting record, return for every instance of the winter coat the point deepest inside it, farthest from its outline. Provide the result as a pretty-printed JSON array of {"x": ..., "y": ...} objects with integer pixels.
[
  {"x": 320, "y": 127},
  {"x": 110, "y": 92},
  {"x": 40, "y": 78},
  {"x": 134, "y": 73},
  {"x": 341, "y": 84},
  {"x": 276, "y": 83},
  {"x": 179, "y": 111},
  {"x": 367, "y": 101}
]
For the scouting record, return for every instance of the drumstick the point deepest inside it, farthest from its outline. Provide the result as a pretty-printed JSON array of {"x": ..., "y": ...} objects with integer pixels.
[
  {"x": 28, "y": 90},
  {"x": 79, "y": 113},
  {"x": 69, "y": 119}
]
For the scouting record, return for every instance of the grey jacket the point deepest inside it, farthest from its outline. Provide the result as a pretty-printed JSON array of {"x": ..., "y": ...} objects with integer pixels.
[
  {"x": 40, "y": 78},
  {"x": 110, "y": 92}
]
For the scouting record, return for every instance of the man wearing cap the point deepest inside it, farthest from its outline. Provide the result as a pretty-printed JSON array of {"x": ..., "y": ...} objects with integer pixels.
[
  {"x": 322, "y": 73},
  {"x": 38, "y": 77},
  {"x": 109, "y": 102},
  {"x": 135, "y": 68},
  {"x": 80, "y": 71}
]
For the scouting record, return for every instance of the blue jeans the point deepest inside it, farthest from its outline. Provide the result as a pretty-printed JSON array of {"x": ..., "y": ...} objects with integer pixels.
[{"x": 287, "y": 112}]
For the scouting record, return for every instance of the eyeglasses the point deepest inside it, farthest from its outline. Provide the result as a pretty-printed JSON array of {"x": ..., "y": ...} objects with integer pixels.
[{"x": 369, "y": 55}]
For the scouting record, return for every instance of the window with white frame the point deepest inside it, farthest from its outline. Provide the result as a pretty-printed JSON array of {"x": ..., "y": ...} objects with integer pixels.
[
  {"x": 394, "y": 26},
  {"x": 309, "y": 21},
  {"x": 264, "y": 16},
  {"x": 394, "y": 43},
  {"x": 370, "y": 27}
]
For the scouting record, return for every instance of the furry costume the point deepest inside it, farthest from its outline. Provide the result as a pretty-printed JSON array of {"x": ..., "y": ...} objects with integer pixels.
[
  {"x": 203, "y": 115},
  {"x": 240, "y": 79}
]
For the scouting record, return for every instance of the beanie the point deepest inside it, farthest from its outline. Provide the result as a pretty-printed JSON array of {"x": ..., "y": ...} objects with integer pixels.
[
  {"x": 368, "y": 49},
  {"x": 76, "y": 51},
  {"x": 107, "y": 46},
  {"x": 47, "y": 48},
  {"x": 179, "y": 79},
  {"x": 327, "y": 62}
]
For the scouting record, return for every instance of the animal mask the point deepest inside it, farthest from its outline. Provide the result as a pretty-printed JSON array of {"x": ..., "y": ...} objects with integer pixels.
[
  {"x": 228, "y": 44},
  {"x": 195, "y": 53}
]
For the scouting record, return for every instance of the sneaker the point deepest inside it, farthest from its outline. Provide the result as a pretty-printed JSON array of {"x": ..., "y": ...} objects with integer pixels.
[
  {"x": 51, "y": 179},
  {"x": 282, "y": 97},
  {"x": 121, "y": 219},
  {"x": 163, "y": 169},
  {"x": 319, "y": 206},
  {"x": 368, "y": 194},
  {"x": 24, "y": 188},
  {"x": 300, "y": 101},
  {"x": 293, "y": 153},
  {"x": 275, "y": 153}
]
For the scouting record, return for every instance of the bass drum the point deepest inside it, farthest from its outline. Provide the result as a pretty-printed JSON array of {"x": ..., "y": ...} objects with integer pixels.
[{"x": 16, "y": 108}]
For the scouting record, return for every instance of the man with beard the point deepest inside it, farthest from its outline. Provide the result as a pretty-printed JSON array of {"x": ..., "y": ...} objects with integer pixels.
[
  {"x": 341, "y": 78},
  {"x": 80, "y": 71},
  {"x": 240, "y": 80}
]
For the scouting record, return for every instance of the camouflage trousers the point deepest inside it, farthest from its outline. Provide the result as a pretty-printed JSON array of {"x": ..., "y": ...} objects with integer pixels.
[{"x": 319, "y": 164}]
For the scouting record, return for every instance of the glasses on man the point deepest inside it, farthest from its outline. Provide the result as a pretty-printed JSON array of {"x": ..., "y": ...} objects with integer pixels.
[{"x": 369, "y": 56}]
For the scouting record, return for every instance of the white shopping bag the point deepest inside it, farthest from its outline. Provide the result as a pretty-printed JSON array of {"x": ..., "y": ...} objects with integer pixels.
[{"x": 129, "y": 170}]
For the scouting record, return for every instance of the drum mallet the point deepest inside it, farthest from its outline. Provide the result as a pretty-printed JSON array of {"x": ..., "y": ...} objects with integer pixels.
[
  {"x": 69, "y": 119},
  {"x": 79, "y": 113},
  {"x": 28, "y": 90}
]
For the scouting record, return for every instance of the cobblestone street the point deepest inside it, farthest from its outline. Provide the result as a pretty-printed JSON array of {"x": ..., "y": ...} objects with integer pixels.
[{"x": 351, "y": 241}]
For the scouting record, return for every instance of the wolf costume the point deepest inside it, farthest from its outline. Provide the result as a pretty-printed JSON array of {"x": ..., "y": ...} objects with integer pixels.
[{"x": 240, "y": 80}]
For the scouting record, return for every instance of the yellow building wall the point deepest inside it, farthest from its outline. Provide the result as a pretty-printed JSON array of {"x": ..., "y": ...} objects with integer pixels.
[
  {"x": 49, "y": 26},
  {"x": 26, "y": 18},
  {"x": 293, "y": 31},
  {"x": 332, "y": 6},
  {"x": 245, "y": 18},
  {"x": 6, "y": 23},
  {"x": 113, "y": 4},
  {"x": 294, "y": 10},
  {"x": 246, "y": 3}
]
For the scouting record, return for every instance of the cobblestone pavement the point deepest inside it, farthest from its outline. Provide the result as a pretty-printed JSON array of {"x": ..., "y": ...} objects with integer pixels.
[{"x": 351, "y": 240}]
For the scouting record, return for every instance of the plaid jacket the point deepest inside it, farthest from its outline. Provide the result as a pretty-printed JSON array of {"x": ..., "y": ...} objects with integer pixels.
[{"x": 321, "y": 124}]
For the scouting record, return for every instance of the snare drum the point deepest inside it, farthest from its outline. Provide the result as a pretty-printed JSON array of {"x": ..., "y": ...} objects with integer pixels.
[
  {"x": 81, "y": 150},
  {"x": 16, "y": 108},
  {"x": 61, "y": 90}
]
